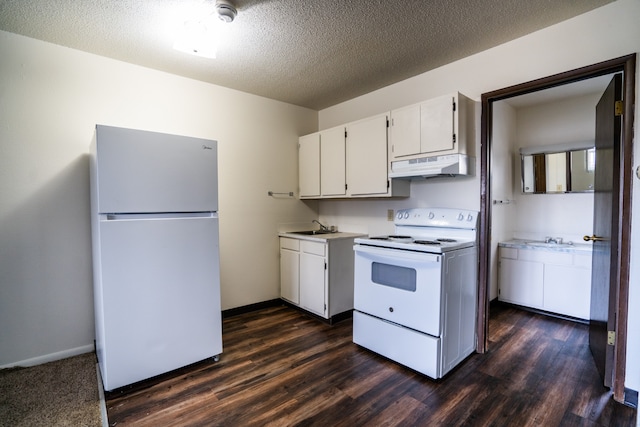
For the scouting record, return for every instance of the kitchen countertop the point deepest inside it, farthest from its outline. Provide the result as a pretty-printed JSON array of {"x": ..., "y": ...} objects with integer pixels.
[
  {"x": 320, "y": 237},
  {"x": 565, "y": 247}
]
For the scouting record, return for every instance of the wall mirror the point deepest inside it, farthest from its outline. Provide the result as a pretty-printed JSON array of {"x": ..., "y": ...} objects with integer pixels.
[{"x": 550, "y": 171}]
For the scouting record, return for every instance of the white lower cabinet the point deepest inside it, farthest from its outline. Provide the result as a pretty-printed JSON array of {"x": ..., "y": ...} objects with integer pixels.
[
  {"x": 521, "y": 282},
  {"x": 569, "y": 291},
  {"x": 317, "y": 275},
  {"x": 558, "y": 282},
  {"x": 313, "y": 277},
  {"x": 290, "y": 270}
]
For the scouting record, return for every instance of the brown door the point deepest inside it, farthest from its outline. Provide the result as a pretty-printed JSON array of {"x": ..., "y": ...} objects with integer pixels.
[{"x": 605, "y": 228}]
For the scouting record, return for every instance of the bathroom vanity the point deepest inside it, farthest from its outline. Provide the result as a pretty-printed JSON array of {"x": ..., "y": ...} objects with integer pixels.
[{"x": 546, "y": 276}]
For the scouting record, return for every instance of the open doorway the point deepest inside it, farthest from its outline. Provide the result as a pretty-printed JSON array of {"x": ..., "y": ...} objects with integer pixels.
[{"x": 620, "y": 263}]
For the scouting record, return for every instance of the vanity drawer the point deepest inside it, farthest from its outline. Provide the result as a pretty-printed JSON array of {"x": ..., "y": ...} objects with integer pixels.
[
  {"x": 546, "y": 257},
  {"x": 510, "y": 253}
]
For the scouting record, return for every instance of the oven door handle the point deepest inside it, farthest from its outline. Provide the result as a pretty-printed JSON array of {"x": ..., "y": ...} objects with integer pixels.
[{"x": 397, "y": 253}]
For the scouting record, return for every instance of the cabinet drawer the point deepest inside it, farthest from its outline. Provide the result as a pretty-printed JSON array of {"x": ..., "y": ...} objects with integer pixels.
[
  {"x": 546, "y": 257},
  {"x": 510, "y": 253},
  {"x": 314, "y": 248},
  {"x": 292, "y": 244}
]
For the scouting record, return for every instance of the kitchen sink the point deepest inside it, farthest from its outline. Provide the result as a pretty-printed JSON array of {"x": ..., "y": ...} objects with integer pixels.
[{"x": 311, "y": 232}]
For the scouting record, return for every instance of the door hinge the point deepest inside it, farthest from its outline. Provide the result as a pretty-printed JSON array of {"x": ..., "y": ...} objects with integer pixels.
[
  {"x": 325, "y": 265},
  {"x": 387, "y": 122},
  {"x": 619, "y": 108},
  {"x": 611, "y": 337},
  {"x": 345, "y": 187},
  {"x": 454, "y": 138},
  {"x": 345, "y": 133},
  {"x": 388, "y": 184},
  {"x": 454, "y": 105}
]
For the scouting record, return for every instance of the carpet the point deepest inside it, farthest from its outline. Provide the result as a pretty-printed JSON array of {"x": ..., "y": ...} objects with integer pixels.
[{"x": 60, "y": 393}]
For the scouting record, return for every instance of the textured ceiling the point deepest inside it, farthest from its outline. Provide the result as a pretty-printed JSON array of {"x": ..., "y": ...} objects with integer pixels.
[{"x": 313, "y": 53}]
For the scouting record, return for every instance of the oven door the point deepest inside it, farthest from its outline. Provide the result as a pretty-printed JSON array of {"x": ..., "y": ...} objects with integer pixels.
[{"x": 400, "y": 286}]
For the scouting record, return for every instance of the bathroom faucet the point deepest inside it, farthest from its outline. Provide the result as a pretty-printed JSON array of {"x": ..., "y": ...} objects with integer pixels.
[
  {"x": 556, "y": 240},
  {"x": 323, "y": 227}
]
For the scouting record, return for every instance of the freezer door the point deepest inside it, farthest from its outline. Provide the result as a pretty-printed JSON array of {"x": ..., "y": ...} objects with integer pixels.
[
  {"x": 160, "y": 293},
  {"x": 140, "y": 171}
]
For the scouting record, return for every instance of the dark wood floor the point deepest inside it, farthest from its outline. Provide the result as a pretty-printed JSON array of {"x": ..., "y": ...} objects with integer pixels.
[{"x": 282, "y": 368}]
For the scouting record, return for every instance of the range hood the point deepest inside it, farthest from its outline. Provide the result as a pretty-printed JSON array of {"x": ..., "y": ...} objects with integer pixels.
[{"x": 433, "y": 166}]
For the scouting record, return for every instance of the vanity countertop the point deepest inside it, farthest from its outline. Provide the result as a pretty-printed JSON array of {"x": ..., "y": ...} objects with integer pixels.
[
  {"x": 320, "y": 237},
  {"x": 542, "y": 246}
]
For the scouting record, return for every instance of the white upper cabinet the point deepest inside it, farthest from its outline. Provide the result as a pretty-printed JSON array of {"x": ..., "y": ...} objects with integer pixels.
[
  {"x": 367, "y": 161},
  {"x": 439, "y": 126},
  {"x": 321, "y": 159},
  {"x": 348, "y": 161},
  {"x": 309, "y": 165},
  {"x": 332, "y": 162},
  {"x": 405, "y": 131}
]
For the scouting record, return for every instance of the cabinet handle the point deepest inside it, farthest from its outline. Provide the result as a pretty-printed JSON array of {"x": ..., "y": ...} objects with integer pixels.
[{"x": 594, "y": 238}]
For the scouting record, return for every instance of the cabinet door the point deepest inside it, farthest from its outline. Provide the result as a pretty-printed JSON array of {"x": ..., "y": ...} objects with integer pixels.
[
  {"x": 521, "y": 282},
  {"x": 332, "y": 162},
  {"x": 437, "y": 124},
  {"x": 289, "y": 275},
  {"x": 312, "y": 283},
  {"x": 404, "y": 132},
  {"x": 367, "y": 161},
  {"x": 567, "y": 290},
  {"x": 309, "y": 165}
]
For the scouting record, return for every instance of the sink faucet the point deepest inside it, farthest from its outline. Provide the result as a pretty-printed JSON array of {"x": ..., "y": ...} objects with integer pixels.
[
  {"x": 323, "y": 227},
  {"x": 556, "y": 240}
]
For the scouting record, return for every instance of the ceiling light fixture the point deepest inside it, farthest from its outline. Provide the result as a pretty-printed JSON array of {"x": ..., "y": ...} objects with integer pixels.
[{"x": 199, "y": 35}]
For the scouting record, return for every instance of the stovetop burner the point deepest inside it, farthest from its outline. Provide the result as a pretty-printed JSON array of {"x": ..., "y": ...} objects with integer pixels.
[
  {"x": 447, "y": 240},
  {"x": 394, "y": 238},
  {"x": 426, "y": 242}
]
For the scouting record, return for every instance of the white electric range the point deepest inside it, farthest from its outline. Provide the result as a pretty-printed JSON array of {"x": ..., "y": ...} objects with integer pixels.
[{"x": 415, "y": 291}]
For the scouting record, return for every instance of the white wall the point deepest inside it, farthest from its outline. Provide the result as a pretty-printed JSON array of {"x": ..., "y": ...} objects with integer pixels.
[
  {"x": 50, "y": 100},
  {"x": 605, "y": 33}
]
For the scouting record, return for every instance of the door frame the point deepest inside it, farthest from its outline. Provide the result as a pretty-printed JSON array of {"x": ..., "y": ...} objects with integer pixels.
[{"x": 627, "y": 65}]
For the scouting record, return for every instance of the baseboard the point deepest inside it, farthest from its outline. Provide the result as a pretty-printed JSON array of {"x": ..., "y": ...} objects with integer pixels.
[
  {"x": 251, "y": 307},
  {"x": 51, "y": 357},
  {"x": 631, "y": 398}
]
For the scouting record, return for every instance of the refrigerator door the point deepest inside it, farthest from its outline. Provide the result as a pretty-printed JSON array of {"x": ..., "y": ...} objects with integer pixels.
[
  {"x": 159, "y": 294},
  {"x": 140, "y": 171}
]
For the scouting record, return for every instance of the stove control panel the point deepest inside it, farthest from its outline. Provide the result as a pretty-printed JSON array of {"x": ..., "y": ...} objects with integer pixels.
[{"x": 437, "y": 217}]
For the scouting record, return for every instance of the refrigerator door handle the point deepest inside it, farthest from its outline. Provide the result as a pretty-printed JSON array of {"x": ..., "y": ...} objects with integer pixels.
[{"x": 159, "y": 215}]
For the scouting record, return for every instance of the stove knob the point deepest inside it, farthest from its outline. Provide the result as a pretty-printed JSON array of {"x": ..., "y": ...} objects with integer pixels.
[
  {"x": 391, "y": 309},
  {"x": 470, "y": 218},
  {"x": 460, "y": 217},
  {"x": 406, "y": 215},
  {"x": 399, "y": 215},
  {"x": 431, "y": 215}
]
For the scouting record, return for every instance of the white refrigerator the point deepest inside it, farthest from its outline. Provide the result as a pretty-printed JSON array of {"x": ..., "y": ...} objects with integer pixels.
[{"x": 154, "y": 208}]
